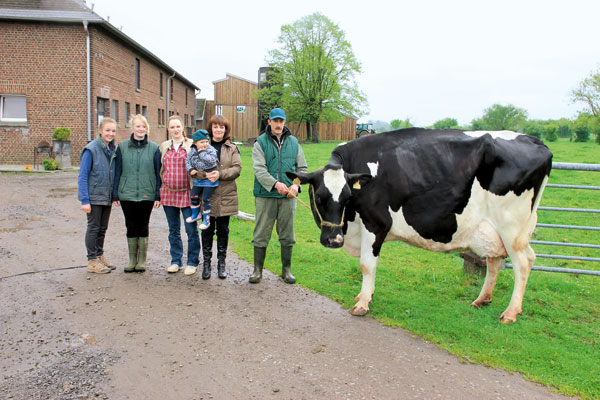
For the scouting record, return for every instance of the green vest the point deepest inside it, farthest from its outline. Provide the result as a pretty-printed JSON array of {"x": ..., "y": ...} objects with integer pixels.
[
  {"x": 138, "y": 178},
  {"x": 279, "y": 161}
]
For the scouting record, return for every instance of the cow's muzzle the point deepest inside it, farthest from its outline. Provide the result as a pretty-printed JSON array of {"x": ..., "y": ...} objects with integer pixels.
[{"x": 332, "y": 240}]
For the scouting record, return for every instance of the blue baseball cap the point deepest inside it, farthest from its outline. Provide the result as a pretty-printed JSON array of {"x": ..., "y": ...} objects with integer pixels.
[{"x": 277, "y": 113}]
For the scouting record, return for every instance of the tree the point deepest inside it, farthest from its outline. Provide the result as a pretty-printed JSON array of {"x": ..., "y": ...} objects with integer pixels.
[
  {"x": 550, "y": 133},
  {"x": 446, "y": 123},
  {"x": 534, "y": 128},
  {"x": 580, "y": 127},
  {"x": 499, "y": 117},
  {"x": 588, "y": 92},
  {"x": 313, "y": 75},
  {"x": 400, "y": 124}
]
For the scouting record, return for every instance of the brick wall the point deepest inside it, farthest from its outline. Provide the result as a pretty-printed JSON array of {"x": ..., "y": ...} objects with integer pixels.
[
  {"x": 47, "y": 63},
  {"x": 113, "y": 77}
]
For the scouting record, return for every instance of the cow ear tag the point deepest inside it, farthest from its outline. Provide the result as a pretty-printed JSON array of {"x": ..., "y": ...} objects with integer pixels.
[
  {"x": 356, "y": 185},
  {"x": 297, "y": 181}
]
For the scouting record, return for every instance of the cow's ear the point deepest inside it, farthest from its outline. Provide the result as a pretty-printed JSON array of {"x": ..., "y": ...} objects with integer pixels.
[
  {"x": 357, "y": 181},
  {"x": 299, "y": 178}
]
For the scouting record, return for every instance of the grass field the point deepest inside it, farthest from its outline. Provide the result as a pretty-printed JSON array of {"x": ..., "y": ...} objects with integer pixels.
[{"x": 557, "y": 339}]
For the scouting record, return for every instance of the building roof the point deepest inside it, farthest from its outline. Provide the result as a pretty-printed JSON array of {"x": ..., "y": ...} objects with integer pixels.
[
  {"x": 74, "y": 11},
  {"x": 228, "y": 75}
]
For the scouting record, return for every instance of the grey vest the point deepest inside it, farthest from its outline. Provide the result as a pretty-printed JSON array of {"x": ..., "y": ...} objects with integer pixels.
[{"x": 100, "y": 179}]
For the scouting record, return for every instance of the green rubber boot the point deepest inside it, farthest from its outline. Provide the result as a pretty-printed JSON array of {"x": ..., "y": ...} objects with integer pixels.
[
  {"x": 132, "y": 244},
  {"x": 259, "y": 262},
  {"x": 286, "y": 265},
  {"x": 143, "y": 250}
]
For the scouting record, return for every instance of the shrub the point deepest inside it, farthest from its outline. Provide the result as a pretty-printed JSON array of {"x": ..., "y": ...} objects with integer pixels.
[
  {"x": 534, "y": 129},
  {"x": 551, "y": 135},
  {"x": 582, "y": 132},
  {"x": 62, "y": 134},
  {"x": 50, "y": 164}
]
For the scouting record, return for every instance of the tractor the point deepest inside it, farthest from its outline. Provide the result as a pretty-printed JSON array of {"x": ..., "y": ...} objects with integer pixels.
[{"x": 364, "y": 130}]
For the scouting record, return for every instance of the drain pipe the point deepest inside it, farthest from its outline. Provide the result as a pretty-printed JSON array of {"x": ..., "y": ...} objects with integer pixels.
[
  {"x": 169, "y": 80},
  {"x": 89, "y": 86}
]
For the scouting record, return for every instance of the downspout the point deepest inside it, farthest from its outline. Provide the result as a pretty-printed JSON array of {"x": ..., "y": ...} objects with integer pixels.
[
  {"x": 89, "y": 86},
  {"x": 169, "y": 98}
]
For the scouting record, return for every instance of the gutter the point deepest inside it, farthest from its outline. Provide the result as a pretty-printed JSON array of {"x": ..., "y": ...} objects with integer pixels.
[
  {"x": 169, "y": 80},
  {"x": 89, "y": 86}
]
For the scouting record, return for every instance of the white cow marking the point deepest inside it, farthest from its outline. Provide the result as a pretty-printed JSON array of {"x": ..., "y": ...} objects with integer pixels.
[
  {"x": 334, "y": 181},
  {"x": 373, "y": 167}
]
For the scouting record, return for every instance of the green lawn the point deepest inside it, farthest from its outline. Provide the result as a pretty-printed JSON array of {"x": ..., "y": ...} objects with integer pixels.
[{"x": 557, "y": 339}]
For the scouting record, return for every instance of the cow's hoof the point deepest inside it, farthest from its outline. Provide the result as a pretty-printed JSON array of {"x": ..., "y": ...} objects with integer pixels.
[
  {"x": 358, "y": 311},
  {"x": 506, "y": 319},
  {"x": 480, "y": 303}
]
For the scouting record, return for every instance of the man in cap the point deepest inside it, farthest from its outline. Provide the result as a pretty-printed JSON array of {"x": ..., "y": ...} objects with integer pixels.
[{"x": 275, "y": 152}]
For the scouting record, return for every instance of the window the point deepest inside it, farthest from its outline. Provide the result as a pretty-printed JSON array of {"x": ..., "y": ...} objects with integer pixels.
[
  {"x": 144, "y": 110},
  {"x": 186, "y": 91},
  {"x": 137, "y": 108},
  {"x": 161, "y": 84},
  {"x": 115, "y": 110},
  {"x": 127, "y": 114},
  {"x": 137, "y": 73},
  {"x": 13, "y": 108},
  {"x": 163, "y": 116},
  {"x": 219, "y": 109},
  {"x": 101, "y": 106},
  {"x": 171, "y": 89},
  {"x": 158, "y": 120}
]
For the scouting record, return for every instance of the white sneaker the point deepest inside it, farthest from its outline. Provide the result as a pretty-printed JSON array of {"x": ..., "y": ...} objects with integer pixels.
[
  {"x": 173, "y": 268},
  {"x": 190, "y": 270}
]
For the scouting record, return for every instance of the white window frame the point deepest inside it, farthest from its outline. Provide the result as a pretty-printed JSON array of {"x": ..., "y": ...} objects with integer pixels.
[{"x": 2, "y": 118}]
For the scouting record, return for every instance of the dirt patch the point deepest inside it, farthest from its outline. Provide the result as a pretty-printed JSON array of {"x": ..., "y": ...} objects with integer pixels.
[{"x": 67, "y": 334}]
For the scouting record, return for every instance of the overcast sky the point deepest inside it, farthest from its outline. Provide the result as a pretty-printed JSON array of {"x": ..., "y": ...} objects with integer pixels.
[{"x": 424, "y": 60}]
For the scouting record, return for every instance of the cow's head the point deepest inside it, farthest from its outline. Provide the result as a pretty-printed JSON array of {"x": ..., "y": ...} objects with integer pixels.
[{"x": 330, "y": 191}]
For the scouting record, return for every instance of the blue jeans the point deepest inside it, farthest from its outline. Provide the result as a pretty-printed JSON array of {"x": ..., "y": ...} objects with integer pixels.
[{"x": 174, "y": 221}]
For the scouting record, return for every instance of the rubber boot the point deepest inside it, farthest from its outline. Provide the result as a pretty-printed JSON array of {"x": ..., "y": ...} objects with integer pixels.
[
  {"x": 132, "y": 244},
  {"x": 221, "y": 255},
  {"x": 205, "y": 220},
  {"x": 286, "y": 265},
  {"x": 206, "y": 255},
  {"x": 195, "y": 215},
  {"x": 143, "y": 251},
  {"x": 259, "y": 262}
]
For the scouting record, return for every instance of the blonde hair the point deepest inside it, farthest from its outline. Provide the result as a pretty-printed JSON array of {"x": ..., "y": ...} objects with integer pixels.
[
  {"x": 177, "y": 117},
  {"x": 135, "y": 117},
  {"x": 106, "y": 120}
]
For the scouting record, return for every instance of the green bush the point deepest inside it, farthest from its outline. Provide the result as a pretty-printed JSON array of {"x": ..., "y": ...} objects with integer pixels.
[
  {"x": 62, "y": 134},
  {"x": 50, "y": 164},
  {"x": 582, "y": 132},
  {"x": 534, "y": 129},
  {"x": 551, "y": 135}
]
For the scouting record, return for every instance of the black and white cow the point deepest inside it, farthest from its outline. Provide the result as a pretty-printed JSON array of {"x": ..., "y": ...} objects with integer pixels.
[{"x": 441, "y": 190}]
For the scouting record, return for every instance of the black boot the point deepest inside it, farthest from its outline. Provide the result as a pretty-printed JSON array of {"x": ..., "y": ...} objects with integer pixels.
[
  {"x": 221, "y": 254},
  {"x": 286, "y": 265},
  {"x": 259, "y": 262},
  {"x": 206, "y": 255}
]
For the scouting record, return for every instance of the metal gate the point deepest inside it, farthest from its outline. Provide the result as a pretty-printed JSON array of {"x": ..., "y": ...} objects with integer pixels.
[{"x": 585, "y": 211}]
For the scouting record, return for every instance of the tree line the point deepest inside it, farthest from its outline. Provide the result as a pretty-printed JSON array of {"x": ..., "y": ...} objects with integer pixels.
[{"x": 312, "y": 76}]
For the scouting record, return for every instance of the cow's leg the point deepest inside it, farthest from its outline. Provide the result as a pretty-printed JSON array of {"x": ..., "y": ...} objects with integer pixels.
[
  {"x": 485, "y": 296},
  {"x": 522, "y": 261},
  {"x": 368, "y": 266}
]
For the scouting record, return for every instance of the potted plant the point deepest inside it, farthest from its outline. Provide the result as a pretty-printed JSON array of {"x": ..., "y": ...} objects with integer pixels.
[{"x": 61, "y": 147}]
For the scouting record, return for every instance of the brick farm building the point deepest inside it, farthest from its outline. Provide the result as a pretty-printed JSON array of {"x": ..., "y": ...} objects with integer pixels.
[{"x": 62, "y": 65}]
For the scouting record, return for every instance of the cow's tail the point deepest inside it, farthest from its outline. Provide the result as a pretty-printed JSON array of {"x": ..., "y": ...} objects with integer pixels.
[{"x": 522, "y": 241}]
